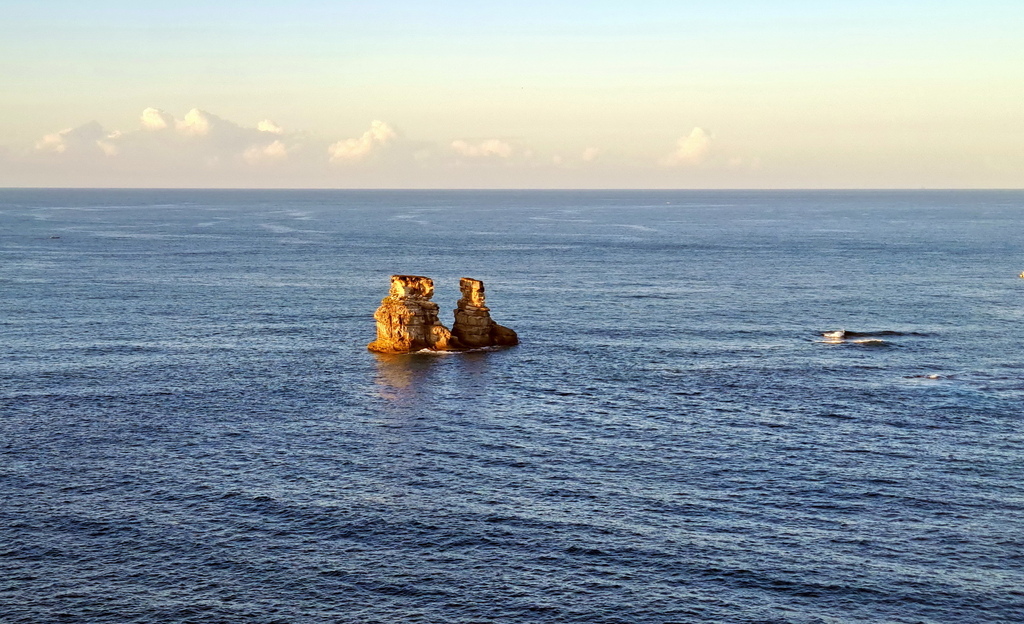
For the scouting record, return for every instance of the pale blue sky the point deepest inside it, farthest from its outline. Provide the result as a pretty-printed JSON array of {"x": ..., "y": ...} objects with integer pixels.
[{"x": 785, "y": 94}]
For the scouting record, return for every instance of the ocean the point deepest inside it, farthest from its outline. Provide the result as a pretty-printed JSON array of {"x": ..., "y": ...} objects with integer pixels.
[{"x": 192, "y": 429}]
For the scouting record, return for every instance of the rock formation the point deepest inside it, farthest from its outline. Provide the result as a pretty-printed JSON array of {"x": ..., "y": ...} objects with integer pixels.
[
  {"x": 473, "y": 324},
  {"x": 407, "y": 319}
]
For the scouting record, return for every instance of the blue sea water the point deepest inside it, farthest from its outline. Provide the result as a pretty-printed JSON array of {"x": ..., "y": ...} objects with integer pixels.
[{"x": 191, "y": 428}]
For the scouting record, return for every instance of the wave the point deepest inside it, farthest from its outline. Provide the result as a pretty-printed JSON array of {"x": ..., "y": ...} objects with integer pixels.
[
  {"x": 871, "y": 342},
  {"x": 845, "y": 333},
  {"x": 863, "y": 338}
]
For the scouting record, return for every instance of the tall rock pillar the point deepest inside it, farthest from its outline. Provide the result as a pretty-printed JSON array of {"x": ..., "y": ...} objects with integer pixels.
[{"x": 407, "y": 319}]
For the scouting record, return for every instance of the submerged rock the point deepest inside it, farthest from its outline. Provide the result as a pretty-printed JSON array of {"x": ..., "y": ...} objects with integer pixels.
[
  {"x": 407, "y": 319},
  {"x": 473, "y": 324}
]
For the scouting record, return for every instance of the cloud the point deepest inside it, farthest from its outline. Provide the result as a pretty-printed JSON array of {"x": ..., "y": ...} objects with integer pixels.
[
  {"x": 690, "y": 150},
  {"x": 379, "y": 136},
  {"x": 85, "y": 139},
  {"x": 156, "y": 119},
  {"x": 267, "y": 153},
  {"x": 488, "y": 148},
  {"x": 205, "y": 138},
  {"x": 268, "y": 126},
  {"x": 200, "y": 148},
  {"x": 164, "y": 147},
  {"x": 199, "y": 123}
]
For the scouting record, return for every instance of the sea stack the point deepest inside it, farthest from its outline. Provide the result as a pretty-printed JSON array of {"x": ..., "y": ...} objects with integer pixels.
[
  {"x": 474, "y": 326},
  {"x": 407, "y": 319}
]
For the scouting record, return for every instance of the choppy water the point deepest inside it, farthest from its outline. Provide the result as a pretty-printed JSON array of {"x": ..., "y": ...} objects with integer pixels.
[{"x": 191, "y": 429}]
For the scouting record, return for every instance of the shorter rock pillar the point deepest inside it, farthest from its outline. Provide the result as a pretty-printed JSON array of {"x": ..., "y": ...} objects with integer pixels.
[{"x": 474, "y": 327}]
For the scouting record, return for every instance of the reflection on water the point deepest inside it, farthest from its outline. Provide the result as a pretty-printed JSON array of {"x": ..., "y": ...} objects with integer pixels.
[
  {"x": 403, "y": 377},
  {"x": 414, "y": 376}
]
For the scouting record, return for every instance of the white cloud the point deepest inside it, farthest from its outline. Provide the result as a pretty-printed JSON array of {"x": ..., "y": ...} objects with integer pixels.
[
  {"x": 197, "y": 123},
  {"x": 53, "y": 142},
  {"x": 350, "y": 150},
  {"x": 268, "y": 126},
  {"x": 489, "y": 148},
  {"x": 266, "y": 153},
  {"x": 202, "y": 149},
  {"x": 690, "y": 150},
  {"x": 83, "y": 139},
  {"x": 156, "y": 119},
  {"x": 198, "y": 144}
]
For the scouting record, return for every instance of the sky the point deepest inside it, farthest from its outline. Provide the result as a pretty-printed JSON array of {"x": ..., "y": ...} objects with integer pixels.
[{"x": 526, "y": 94}]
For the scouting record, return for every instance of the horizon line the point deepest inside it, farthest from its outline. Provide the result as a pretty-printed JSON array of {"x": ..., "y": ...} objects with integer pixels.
[{"x": 502, "y": 189}]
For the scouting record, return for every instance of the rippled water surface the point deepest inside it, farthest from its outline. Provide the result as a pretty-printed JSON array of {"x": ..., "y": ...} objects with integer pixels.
[{"x": 191, "y": 429}]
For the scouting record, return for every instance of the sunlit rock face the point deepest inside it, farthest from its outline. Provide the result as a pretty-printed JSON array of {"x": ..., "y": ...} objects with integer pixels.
[
  {"x": 473, "y": 324},
  {"x": 407, "y": 319}
]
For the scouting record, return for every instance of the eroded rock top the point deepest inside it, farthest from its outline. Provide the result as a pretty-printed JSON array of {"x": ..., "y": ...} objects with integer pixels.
[
  {"x": 472, "y": 293},
  {"x": 415, "y": 286}
]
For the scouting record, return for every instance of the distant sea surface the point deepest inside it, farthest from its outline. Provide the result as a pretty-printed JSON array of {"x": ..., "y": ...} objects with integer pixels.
[{"x": 192, "y": 429}]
